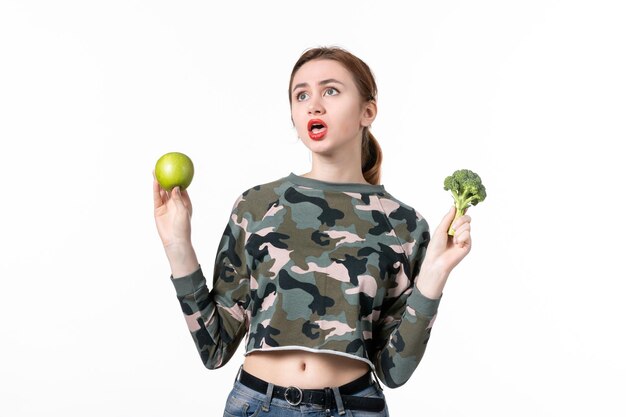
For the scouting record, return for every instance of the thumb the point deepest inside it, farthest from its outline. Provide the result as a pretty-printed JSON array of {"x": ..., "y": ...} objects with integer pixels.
[
  {"x": 446, "y": 221},
  {"x": 178, "y": 200},
  {"x": 176, "y": 195}
]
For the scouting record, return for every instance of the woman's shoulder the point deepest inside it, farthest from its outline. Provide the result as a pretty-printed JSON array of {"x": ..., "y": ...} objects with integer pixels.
[
  {"x": 402, "y": 215},
  {"x": 268, "y": 190},
  {"x": 260, "y": 197}
]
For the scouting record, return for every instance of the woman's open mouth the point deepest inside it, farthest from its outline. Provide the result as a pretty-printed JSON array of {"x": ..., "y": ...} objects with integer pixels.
[{"x": 317, "y": 129}]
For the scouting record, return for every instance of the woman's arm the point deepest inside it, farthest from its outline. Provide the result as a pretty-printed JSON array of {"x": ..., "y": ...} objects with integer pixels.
[
  {"x": 443, "y": 254},
  {"x": 216, "y": 318},
  {"x": 407, "y": 319},
  {"x": 172, "y": 214}
]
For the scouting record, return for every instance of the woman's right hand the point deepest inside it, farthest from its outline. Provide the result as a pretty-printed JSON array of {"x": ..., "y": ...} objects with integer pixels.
[{"x": 172, "y": 214}]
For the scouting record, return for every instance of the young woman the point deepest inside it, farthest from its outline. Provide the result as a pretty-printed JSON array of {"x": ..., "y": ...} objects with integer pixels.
[{"x": 334, "y": 282}]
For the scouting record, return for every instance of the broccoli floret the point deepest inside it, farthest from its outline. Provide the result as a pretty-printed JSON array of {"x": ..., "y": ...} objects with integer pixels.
[{"x": 467, "y": 189}]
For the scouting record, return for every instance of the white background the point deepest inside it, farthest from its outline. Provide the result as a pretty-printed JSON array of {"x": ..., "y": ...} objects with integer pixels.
[{"x": 529, "y": 94}]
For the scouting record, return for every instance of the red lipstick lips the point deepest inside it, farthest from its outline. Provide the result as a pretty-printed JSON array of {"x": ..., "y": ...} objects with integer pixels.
[{"x": 317, "y": 129}]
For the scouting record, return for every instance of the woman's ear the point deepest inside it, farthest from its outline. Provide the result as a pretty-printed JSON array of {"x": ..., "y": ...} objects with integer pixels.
[{"x": 369, "y": 113}]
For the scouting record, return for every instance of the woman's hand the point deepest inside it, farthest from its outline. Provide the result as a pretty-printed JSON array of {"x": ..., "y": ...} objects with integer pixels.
[
  {"x": 172, "y": 214},
  {"x": 444, "y": 252}
]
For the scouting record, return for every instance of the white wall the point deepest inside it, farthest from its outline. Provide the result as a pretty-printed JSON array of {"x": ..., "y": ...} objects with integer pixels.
[{"x": 528, "y": 94}]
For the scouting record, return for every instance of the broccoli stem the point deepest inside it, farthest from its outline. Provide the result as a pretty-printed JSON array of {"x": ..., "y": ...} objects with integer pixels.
[{"x": 459, "y": 213}]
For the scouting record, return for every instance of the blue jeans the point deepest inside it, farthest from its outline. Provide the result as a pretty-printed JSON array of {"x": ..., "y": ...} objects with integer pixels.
[{"x": 245, "y": 402}]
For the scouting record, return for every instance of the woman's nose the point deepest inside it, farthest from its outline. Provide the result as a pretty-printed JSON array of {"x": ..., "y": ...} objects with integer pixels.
[{"x": 315, "y": 107}]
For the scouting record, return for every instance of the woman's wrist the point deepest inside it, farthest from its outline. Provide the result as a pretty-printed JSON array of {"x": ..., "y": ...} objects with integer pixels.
[
  {"x": 431, "y": 281},
  {"x": 182, "y": 259}
]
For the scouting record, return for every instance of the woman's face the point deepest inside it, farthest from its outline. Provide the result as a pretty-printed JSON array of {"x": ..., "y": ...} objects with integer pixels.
[{"x": 327, "y": 109}]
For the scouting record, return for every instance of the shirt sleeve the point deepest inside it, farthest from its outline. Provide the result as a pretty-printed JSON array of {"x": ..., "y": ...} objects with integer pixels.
[
  {"x": 217, "y": 318},
  {"x": 406, "y": 319}
]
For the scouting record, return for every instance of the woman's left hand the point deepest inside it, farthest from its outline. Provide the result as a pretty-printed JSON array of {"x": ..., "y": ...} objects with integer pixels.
[{"x": 444, "y": 252}]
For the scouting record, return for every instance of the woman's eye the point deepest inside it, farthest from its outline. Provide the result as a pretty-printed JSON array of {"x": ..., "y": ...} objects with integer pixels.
[
  {"x": 301, "y": 96},
  {"x": 332, "y": 91}
]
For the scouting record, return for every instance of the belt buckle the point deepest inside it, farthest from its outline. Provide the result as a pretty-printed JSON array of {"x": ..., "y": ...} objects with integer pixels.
[{"x": 296, "y": 392}]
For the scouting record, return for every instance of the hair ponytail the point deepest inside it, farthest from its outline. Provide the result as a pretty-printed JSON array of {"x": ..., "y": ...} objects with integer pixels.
[{"x": 371, "y": 158}]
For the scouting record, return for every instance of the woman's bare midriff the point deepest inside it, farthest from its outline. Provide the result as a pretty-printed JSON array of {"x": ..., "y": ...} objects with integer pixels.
[{"x": 304, "y": 369}]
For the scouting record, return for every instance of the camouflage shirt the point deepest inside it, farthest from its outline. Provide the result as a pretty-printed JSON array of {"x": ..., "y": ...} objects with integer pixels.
[{"x": 319, "y": 266}]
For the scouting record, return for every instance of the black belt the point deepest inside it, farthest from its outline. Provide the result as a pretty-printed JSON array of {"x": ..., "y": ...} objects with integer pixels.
[{"x": 323, "y": 397}]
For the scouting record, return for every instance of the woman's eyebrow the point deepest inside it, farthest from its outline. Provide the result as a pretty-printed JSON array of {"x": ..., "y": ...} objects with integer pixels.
[
  {"x": 323, "y": 82},
  {"x": 330, "y": 81}
]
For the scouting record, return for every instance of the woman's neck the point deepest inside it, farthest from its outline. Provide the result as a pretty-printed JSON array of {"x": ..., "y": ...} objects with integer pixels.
[{"x": 337, "y": 171}]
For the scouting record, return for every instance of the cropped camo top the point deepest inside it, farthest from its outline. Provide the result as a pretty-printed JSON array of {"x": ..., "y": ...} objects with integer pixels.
[{"x": 319, "y": 266}]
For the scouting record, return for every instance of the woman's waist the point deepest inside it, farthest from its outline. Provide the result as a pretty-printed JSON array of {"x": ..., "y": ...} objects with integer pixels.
[{"x": 304, "y": 368}]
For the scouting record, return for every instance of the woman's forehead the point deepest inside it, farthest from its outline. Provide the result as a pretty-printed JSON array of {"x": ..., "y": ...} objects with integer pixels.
[{"x": 320, "y": 70}]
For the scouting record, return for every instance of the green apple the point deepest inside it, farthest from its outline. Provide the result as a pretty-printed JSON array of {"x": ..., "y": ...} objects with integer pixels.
[{"x": 174, "y": 169}]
